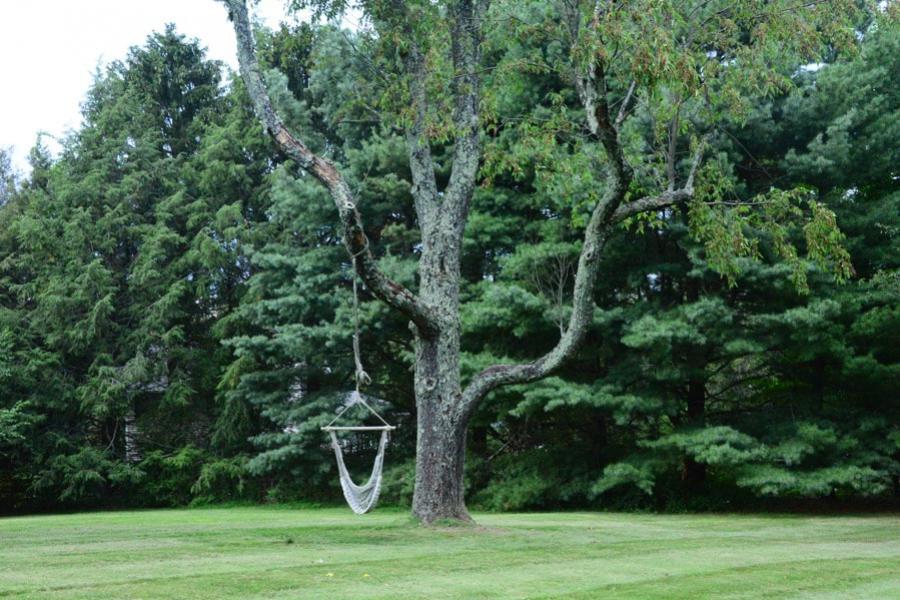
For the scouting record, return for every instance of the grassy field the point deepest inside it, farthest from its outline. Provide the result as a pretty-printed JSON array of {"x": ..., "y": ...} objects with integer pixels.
[{"x": 277, "y": 552}]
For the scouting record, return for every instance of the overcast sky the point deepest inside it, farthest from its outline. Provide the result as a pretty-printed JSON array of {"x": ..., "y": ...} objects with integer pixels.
[{"x": 51, "y": 48}]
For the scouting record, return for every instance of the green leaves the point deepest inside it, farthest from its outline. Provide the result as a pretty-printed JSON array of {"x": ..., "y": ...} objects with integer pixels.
[
  {"x": 772, "y": 481},
  {"x": 15, "y": 425},
  {"x": 731, "y": 231}
]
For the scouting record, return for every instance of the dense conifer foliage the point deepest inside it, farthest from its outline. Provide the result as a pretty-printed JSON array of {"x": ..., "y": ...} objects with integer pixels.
[{"x": 176, "y": 299}]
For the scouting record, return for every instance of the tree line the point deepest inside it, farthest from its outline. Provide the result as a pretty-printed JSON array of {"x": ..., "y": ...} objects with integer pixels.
[{"x": 176, "y": 299}]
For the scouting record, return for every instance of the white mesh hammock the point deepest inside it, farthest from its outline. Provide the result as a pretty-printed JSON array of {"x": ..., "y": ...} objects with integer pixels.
[{"x": 360, "y": 498}]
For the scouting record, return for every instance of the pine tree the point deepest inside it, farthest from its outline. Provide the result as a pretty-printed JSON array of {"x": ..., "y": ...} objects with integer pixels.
[{"x": 123, "y": 255}]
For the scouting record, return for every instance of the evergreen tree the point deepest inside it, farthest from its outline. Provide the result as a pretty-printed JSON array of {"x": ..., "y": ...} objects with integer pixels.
[
  {"x": 807, "y": 409},
  {"x": 124, "y": 255}
]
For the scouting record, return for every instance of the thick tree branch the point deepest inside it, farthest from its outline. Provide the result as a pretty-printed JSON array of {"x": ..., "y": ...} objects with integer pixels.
[
  {"x": 424, "y": 188},
  {"x": 326, "y": 173},
  {"x": 465, "y": 50},
  {"x": 651, "y": 203},
  {"x": 605, "y": 215},
  {"x": 595, "y": 238},
  {"x": 592, "y": 89}
]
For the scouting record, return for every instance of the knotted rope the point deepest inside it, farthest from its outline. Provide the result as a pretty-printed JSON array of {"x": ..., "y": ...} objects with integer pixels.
[{"x": 362, "y": 378}]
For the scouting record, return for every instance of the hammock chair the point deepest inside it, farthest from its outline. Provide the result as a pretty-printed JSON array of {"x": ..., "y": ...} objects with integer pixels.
[{"x": 361, "y": 498}]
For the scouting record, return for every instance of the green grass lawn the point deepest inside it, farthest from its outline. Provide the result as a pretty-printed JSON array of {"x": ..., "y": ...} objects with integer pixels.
[{"x": 276, "y": 552}]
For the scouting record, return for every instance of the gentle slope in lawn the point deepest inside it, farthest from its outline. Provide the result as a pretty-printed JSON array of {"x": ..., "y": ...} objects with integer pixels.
[{"x": 275, "y": 552}]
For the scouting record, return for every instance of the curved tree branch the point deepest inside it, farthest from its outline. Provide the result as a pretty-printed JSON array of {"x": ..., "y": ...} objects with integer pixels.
[
  {"x": 608, "y": 212},
  {"x": 421, "y": 165},
  {"x": 650, "y": 203},
  {"x": 326, "y": 173},
  {"x": 595, "y": 238},
  {"x": 592, "y": 90}
]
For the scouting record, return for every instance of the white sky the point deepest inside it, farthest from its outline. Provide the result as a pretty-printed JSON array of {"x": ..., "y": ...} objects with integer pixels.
[{"x": 49, "y": 50}]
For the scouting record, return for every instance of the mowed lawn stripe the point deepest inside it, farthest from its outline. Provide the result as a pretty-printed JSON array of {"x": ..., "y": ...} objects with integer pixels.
[{"x": 272, "y": 552}]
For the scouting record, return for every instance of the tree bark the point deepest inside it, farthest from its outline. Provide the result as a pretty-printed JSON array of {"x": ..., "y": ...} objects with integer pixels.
[
  {"x": 441, "y": 424},
  {"x": 441, "y": 433},
  {"x": 132, "y": 450}
]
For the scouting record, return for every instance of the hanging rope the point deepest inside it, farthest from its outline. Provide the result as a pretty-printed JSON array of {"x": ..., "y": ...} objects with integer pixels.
[
  {"x": 357, "y": 398},
  {"x": 362, "y": 378}
]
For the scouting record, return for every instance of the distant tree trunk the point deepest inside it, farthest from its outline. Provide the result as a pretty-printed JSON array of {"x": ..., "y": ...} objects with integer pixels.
[
  {"x": 480, "y": 441},
  {"x": 132, "y": 450},
  {"x": 599, "y": 440},
  {"x": 693, "y": 472}
]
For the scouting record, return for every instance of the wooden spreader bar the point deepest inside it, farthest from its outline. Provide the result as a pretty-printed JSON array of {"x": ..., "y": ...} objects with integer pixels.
[{"x": 359, "y": 428}]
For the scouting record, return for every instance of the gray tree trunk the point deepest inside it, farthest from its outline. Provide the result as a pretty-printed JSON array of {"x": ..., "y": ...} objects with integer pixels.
[
  {"x": 440, "y": 443},
  {"x": 441, "y": 422}
]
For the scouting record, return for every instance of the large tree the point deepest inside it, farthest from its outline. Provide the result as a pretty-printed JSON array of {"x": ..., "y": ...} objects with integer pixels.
[{"x": 644, "y": 85}]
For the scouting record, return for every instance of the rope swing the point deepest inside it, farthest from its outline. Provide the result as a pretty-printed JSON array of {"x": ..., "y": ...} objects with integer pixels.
[{"x": 361, "y": 498}]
